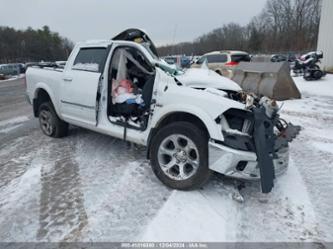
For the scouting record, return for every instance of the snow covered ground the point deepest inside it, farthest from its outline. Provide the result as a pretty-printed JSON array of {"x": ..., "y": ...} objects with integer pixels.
[
  {"x": 91, "y": 187},
  {"x": 298, "y": 209},
  {"x": 13, "y": 78}
]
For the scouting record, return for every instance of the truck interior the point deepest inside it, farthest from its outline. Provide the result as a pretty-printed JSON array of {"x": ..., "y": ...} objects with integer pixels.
[{"x": 130, "y": 87}]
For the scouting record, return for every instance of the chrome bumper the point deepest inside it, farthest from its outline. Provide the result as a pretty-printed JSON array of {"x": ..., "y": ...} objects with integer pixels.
[{"x": 224, "y": 160}]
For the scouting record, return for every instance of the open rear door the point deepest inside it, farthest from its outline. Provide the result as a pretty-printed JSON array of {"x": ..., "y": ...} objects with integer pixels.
[{"x": 139, "y": 36}]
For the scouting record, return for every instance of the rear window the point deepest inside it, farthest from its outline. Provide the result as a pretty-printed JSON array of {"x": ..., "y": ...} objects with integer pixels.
[
  {"x": 90, "y": 59},
  {"x": 240, "y": 57},
  {"x": 217, "y": 58}
]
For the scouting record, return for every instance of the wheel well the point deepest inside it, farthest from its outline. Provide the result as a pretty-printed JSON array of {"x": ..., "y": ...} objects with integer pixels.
[
  {"x": 218, "y": 71},
  {"x": 176, "y": 117},
  {"x": 41, "y": 97}
]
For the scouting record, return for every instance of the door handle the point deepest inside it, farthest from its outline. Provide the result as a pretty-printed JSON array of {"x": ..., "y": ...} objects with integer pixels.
[{"x": 67, "y": 79}]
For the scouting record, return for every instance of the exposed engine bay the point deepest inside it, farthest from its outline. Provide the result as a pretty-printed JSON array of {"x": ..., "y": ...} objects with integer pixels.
[{"x": 258, "y": 129}]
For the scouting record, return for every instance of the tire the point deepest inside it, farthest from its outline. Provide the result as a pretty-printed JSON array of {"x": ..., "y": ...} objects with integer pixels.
[
  {"x": 179, "y": 156},
  {"x": 50, "y": 123},
  {"x": 316, "y": 67},
  {"x": 318, "y": 74}
]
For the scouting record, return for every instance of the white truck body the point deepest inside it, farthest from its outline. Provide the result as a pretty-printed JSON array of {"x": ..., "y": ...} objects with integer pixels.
[{"x": 81, "y": 97}]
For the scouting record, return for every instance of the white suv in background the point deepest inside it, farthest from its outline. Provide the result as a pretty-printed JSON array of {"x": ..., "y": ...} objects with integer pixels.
[{"x": 223, "y": 62}]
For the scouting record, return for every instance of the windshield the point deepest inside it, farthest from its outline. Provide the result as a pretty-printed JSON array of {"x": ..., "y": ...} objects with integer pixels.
[
  {"x": 240, "y": 57},
  {"x": 174, "y": 71},
  {"x": 147, "y": 46}
]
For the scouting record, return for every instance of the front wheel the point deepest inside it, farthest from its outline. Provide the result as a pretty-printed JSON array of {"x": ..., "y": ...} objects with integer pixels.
[{"x": 179, "y": 156}]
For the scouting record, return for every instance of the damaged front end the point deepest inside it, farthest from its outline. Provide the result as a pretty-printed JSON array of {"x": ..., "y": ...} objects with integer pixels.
[{"x": 255, "y": 142}]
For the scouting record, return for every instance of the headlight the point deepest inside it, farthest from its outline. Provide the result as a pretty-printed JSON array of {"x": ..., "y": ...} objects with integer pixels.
[
  {"x": 249, "y": 101},
  {"x": 237, "y": 120},
  {"x": 270, "y": 105}
]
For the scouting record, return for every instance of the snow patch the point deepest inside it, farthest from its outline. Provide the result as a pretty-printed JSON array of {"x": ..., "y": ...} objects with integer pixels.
[
  {"x": 188, "y": 216},
  {"x": 16, "y": 120},
  {"x": 12, "y": 78},
  {"x": 321, "y": 87},
  {"x": 212, "y": 216},
  {"x": 6, "y": 130},
  {"x": 87, "y": 66},
  {"x": 326, "y": 147},
  {"x": 20, "y": 203}
]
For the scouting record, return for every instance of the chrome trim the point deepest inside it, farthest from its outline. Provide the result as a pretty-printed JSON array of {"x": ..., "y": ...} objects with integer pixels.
[
  {"x": 80, "y": 105},
  {"x": 224, "y": 160}
]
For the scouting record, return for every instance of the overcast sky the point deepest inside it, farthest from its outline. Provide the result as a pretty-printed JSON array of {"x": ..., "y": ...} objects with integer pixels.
[{"x": 166, "y": 21}]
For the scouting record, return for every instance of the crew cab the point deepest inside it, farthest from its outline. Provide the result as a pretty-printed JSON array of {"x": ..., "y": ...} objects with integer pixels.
[{"x": 192, "y": 122}]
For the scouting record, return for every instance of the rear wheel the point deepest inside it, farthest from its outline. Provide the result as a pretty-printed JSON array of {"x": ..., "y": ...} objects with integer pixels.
[
  {"x": 318, "y": 74},
  {"x": 179, "y": 156},
  {"x": 50, "y": 123}
]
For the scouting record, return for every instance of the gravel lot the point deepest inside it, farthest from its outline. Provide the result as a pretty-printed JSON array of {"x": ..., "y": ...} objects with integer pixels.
[{"x": 91, "y": 187}]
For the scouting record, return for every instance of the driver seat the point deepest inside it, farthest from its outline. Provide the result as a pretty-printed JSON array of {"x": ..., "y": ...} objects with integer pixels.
[{"x": 129, "y": 110}]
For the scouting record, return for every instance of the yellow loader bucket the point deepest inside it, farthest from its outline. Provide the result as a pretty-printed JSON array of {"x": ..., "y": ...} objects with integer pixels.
[{"x": 267, "y": 79}]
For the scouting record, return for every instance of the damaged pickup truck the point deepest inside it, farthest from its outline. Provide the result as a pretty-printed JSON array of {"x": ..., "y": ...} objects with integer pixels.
[{"x": 192, "y": 122}]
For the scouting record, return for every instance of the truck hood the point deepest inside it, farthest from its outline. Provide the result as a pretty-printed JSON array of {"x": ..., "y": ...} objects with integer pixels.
[{"x": 205, "y": 78}]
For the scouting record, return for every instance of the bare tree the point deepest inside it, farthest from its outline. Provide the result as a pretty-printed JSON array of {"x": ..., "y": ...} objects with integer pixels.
[{"x": 282, "y": 26}]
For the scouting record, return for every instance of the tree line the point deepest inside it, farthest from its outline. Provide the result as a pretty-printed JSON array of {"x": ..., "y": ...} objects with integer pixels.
[
  {"x": 282, "y": 26},
  {"x": 32, "y": 45}
]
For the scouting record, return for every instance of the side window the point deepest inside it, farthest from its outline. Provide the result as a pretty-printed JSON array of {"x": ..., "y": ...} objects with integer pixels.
[
  {"x": 217, "y": 58},
  {"x": 90, "y": 59},
  {"x": 201, "y": 60},
  {"x": 129, "y": 63}
]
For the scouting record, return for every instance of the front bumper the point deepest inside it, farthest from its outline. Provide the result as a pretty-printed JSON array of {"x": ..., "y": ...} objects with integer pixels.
[{"x": 243, "y": 164}]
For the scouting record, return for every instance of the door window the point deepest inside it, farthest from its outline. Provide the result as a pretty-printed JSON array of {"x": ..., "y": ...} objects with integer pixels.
[
  {"x": 90, "y": 59},
  {"x": 217, "y": 58},
  {"x": 240, "y": 57}
]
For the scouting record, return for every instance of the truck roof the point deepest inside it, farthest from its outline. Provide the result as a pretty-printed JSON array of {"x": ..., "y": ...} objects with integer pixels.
[
  {"x": 93, "y": 43},
  {"x": 226, "y": 52}
]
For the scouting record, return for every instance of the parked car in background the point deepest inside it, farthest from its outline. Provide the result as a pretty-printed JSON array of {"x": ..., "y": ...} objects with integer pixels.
[
  {"x": 10, "y": 69},
  {"x": 171, "y": 60},
  {"x": 278, "y": 58},
  {"x": 223, "y": 62},
  {"x": 185, "y": 62},
  {"x": 181, "y": 61},
  {"x": 283, "y": 57}
]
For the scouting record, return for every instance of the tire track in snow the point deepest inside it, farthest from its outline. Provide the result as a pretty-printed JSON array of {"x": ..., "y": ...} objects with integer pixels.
[
  {"x": 285, "y": 214},
  {"x": 315, "y": 165},
  {"x": 19, "y": 180},
  {"x": 121, "y": 192},
  {"x": 62, "y": 213},
  {"x": 316, "y": 168}
]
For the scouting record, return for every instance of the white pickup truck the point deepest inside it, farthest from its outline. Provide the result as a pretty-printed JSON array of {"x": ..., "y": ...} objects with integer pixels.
[{"x": 192, "y": 122}]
